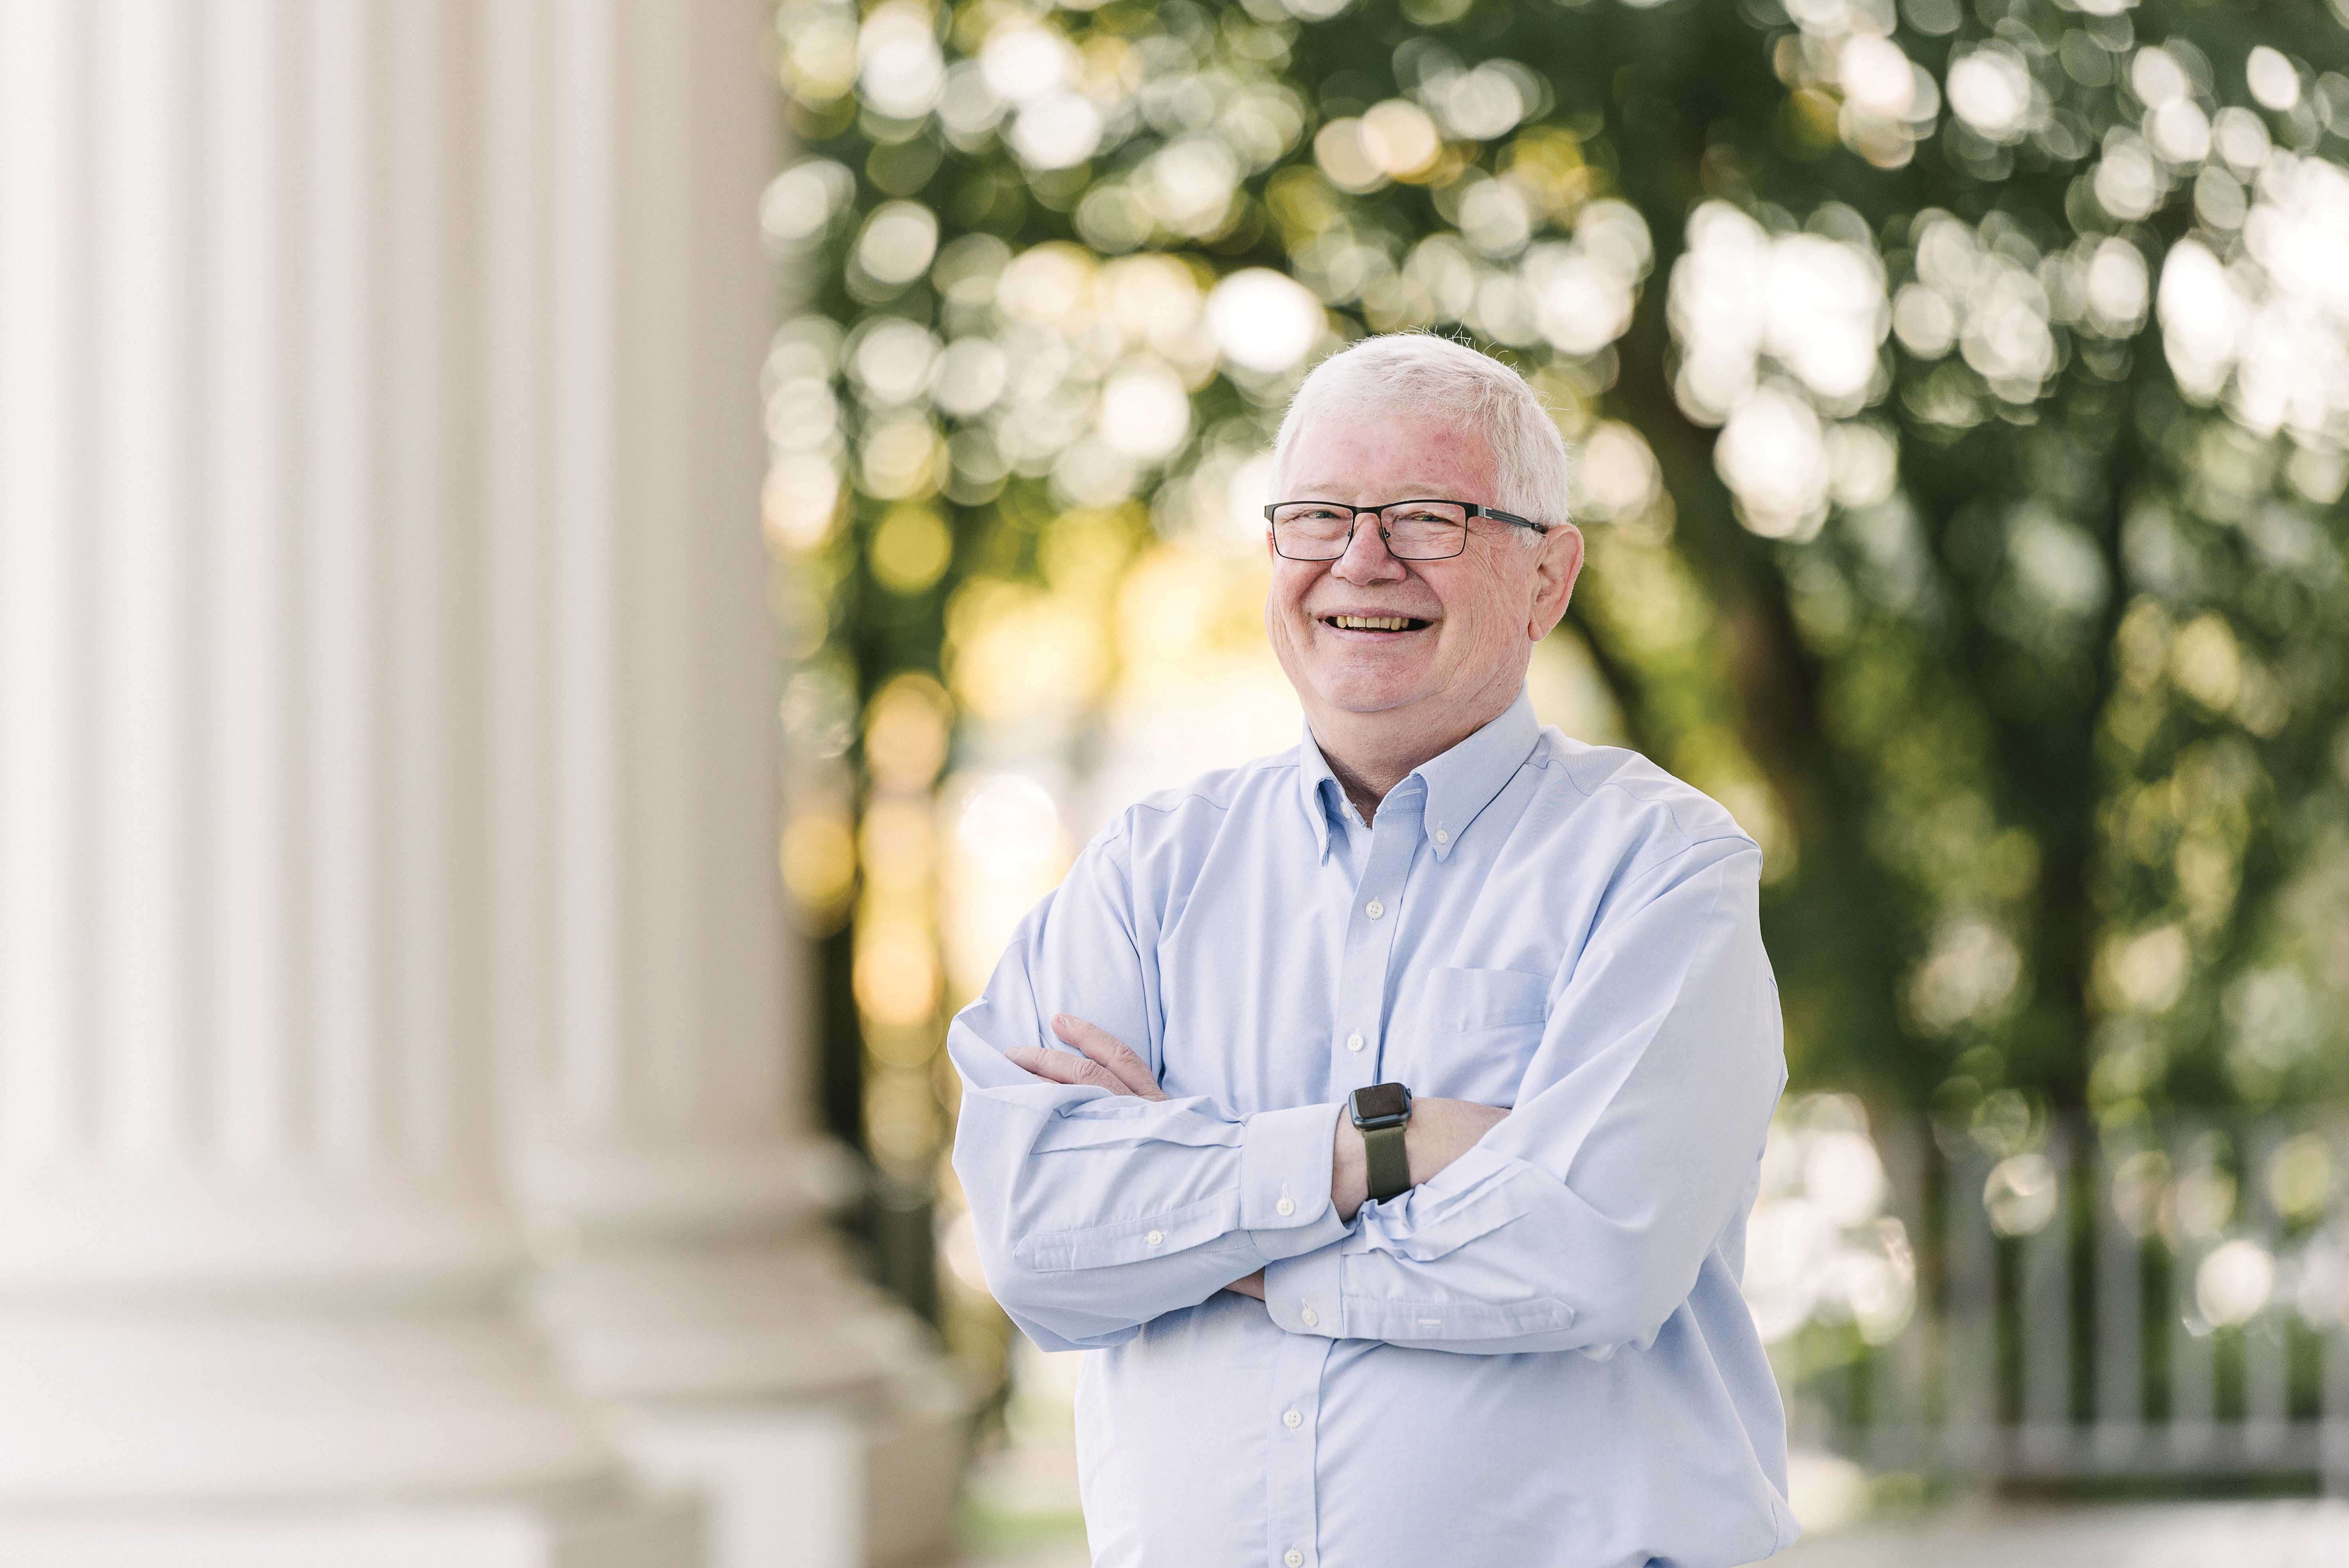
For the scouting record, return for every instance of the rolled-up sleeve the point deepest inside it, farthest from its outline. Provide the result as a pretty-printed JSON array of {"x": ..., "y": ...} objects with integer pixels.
[
  {"x": 1580, "y": 1221},
  {"x": 1095, "y": 1212}
]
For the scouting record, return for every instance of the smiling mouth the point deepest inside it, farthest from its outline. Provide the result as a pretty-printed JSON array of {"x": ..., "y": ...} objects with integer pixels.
[{"x": 1373, "y": 623}]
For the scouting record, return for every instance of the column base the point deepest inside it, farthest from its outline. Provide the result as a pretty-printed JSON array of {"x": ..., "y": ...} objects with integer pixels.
[
  {"x": 779, "y": 1315},
  {"x": 699, "y": 1300},
  {"x": 150, "y": 1405},
  {"x": 831, "y": 1485},
  {"x": 613, "y": 1530}
]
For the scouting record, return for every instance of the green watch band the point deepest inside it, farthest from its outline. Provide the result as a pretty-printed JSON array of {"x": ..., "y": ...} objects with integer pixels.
[
  {"x": 1381, "y": 1113},
  {"x": 1390, "y": 1165}
]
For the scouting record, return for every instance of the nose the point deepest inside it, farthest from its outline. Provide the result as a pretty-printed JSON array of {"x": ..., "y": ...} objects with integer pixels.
[{"x": 1367, "y": 559}]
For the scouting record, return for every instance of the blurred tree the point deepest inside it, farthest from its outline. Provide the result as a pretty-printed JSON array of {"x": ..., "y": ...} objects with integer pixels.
[{"x": 1961, "y": 394}]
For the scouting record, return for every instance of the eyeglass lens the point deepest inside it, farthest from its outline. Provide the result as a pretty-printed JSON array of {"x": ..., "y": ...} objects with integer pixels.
[{"x": 1415, "y": 531}]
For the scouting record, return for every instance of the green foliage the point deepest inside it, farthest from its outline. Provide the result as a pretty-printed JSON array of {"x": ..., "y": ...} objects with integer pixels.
[{"x": 1962, "y": 393}]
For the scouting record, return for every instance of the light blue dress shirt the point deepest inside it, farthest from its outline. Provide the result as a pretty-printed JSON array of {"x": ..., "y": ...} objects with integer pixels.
[{"x": 1540, "y": 1357}]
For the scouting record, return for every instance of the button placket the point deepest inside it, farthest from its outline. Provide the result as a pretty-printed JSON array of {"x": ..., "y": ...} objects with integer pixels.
[
  {"x": 1370, "y": 934},
  {"x": 1296, "y": 1388}
]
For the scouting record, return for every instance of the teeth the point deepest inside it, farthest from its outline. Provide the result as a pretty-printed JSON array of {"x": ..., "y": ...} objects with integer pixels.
[{"x": 1371, "y": 623}]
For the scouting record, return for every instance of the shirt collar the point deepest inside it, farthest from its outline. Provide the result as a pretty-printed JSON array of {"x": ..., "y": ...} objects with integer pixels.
[
  {"x": 1313, "y": 773},
  {"x": 1459, "y": 784}
]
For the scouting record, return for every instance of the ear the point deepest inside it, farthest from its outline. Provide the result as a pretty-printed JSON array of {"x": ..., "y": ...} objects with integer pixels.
[{"x": 1557, "y": 562}]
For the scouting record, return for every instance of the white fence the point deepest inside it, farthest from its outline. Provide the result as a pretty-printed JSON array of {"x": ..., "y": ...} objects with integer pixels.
[{"x": 2164, "y": 1303}]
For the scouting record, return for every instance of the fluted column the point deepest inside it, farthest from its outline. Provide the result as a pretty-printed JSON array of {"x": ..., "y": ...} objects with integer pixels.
[
  {"x": 666, "y": 1156},
  {"x": 255, "y": 1261}
]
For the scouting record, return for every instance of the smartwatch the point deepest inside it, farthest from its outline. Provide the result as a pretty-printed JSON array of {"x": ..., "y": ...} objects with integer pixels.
[{"x": 1381, "y": 1112}]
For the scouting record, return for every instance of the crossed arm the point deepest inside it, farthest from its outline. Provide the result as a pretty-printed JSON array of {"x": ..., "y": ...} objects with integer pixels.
[
  {"x": 1580, "y": 1219},
  {"x": 1440, "y": 1130}
]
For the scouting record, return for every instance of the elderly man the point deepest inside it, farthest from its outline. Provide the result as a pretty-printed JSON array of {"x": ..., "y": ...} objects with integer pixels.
[{"x": 1383, "y": 1117}]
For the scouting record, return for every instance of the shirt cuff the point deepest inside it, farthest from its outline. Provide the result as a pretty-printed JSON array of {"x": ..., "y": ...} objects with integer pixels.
[
  {"x": 1302, "y": 1293},
  {"x": 1284, "y": 1158}
]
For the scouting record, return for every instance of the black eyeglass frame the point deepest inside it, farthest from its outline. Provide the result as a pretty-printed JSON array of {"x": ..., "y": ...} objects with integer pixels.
[{"x": 1386, "y": 536}]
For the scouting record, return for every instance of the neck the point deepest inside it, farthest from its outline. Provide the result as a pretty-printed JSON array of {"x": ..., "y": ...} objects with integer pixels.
[{"x": 1370, "y": 753}]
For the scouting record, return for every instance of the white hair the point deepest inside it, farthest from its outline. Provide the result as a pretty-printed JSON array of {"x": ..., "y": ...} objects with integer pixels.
[{"x": 1419, "y": 373}]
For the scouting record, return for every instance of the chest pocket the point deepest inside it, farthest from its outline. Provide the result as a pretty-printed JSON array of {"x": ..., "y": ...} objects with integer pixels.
[
  {"x": 1478, "y": 1028},
  {"x": 1465, "y": 1000}
]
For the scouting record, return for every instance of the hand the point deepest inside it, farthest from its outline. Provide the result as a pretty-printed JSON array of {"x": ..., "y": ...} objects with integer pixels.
[
  {"x": 1439, "y": 1132},
  {"x": 1442, "y": 1130},
  {"x": 1108, "y": 1062}
]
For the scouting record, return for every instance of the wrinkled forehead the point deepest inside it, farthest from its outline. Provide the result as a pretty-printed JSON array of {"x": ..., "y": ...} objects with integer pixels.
[{"x": 1350, "y": 450}]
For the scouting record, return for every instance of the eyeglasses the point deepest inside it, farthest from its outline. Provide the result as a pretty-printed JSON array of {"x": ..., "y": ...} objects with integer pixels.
[{"x": 1413, "y": 530}]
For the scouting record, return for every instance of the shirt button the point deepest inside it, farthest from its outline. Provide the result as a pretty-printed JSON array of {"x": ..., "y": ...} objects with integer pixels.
[
  {"x": 1294, "y": 1558},
  {"x": 1353, "y": 1042},
  {"x": 1291, "y": 1419},
  {"x": 1309, "y": 1317},
  {"x": 1285, "y": 1206},
  {"x": 1154, "y": 1237},
  {"x": 1374, "y": 909},
  {"x": 1442, "y": 837}
]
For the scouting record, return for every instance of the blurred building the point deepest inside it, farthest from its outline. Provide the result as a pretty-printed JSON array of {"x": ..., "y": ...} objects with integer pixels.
[{"x": 388, "y": 907}]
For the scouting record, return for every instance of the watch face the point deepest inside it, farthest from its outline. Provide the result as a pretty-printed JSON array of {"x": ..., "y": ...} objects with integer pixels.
[{"x": 1380, "y": 1103}]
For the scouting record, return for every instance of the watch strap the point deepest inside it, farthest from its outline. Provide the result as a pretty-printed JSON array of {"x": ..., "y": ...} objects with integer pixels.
[{"x": 1388, "y": 1163}]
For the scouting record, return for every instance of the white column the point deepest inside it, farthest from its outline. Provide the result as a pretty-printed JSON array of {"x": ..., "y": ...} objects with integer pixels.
[
  {"x": 667, "y": 1159},
  {"x": 253, "y": 1259}
]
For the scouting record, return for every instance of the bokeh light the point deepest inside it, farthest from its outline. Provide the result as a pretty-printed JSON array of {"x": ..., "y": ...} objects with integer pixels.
[{"x": 1957, "y": 406}]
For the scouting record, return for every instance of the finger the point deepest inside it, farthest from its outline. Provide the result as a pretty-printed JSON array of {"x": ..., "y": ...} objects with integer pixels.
[
  {"x": 1111, "y": 1053},
  {"x": 1059, "y": 1066}
]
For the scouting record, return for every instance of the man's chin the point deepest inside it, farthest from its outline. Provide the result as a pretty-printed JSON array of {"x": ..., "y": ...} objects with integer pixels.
[{"x": 1368, "y": 698}]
